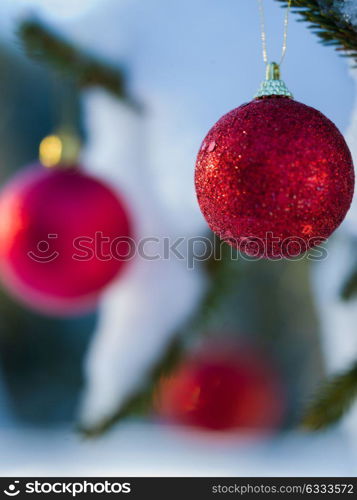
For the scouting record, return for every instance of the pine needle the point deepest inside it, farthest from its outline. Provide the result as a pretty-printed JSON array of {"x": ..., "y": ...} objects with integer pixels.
[
  {"x": 331, "y": 28},
  {"x": 140, "y": 403},
  {"x": 349, "y": 288},
  {"x": 43, "y": 44},
  {"x": 333, "y": 401},
  {"x": 224, "y": 274}
]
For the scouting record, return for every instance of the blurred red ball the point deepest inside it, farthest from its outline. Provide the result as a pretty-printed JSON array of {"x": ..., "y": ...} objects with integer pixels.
[
  {"x": 274, "y": 177},
  {"x": 59, "y": 245},
  {"x": 223, "y": 388}
]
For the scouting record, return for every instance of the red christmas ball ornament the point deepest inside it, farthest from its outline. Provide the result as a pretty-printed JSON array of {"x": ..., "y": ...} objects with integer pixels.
[
  {"x": 223, "y": 388},
  {"x": 274, "y": 177},
  {"x": 63, "y": 238}
]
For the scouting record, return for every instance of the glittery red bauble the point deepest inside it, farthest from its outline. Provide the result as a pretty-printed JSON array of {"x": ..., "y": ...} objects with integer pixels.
[
  {"x": 274, "y": 177},
  {"x": 60, "y": 238},
  {"x": 223, "y": 388}
]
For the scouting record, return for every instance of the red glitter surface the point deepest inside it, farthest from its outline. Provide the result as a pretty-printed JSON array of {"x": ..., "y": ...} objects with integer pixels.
[{"x": 274, "y": 177}]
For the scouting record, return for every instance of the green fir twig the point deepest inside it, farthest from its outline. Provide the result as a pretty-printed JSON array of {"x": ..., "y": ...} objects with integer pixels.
[
  {"x": 223, "y": 271},
  {"x": 349, "y": 288},
  {"x": 43, "y": 44},
  {"x": 333, "y": 401},
  {"x": 328, "y": 25},
  {"x": 140, "y": 402}
]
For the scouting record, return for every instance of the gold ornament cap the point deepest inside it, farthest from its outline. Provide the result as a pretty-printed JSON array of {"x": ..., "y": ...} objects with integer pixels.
[
  {"x": 273, "y": 85},
  {"x": 60, "y": 149}
]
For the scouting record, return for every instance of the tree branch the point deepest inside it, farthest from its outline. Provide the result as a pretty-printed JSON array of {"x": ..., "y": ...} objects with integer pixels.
[
  {"x": 45, "y": 45},
  {"x": 331, "y": 28},
  {"x": 224, "y": 274},
  {"x": 349, "y": 288},
  {"x": 333, "y": 401}
]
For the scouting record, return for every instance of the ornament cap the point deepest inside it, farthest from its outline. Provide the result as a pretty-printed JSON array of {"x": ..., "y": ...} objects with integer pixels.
[
  {"x": 60, "y": 149},
  {"x": 273, "y": 85}
]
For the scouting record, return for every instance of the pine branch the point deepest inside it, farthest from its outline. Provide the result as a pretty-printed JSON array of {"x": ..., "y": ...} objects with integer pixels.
[
  {"x": 141, "y": 402},
  {"x": 331, "y": 28},
  {"x": 349, "y": 289},
  {"x": 224, "y": 274},
  {"x": 45, "y": 45},
  {"x": 333, "y": 401}
]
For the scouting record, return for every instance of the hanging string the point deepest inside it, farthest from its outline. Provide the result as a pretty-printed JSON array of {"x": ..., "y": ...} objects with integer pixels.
[{"x": 263, "y": 34}]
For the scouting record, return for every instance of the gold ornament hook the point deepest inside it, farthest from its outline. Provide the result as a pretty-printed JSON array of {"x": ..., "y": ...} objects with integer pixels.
[
  {"x": 273, "y": 85},
  {"x": 272, "y": 71}
]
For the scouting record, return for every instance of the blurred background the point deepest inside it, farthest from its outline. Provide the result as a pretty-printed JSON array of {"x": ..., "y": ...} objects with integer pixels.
[{"x": 186, "y": 64}]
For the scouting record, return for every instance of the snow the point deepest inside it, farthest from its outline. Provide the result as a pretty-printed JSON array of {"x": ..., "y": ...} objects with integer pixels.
[
  {"x": 345, "y": 8},
  {"x": 149, "y": 450}
]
